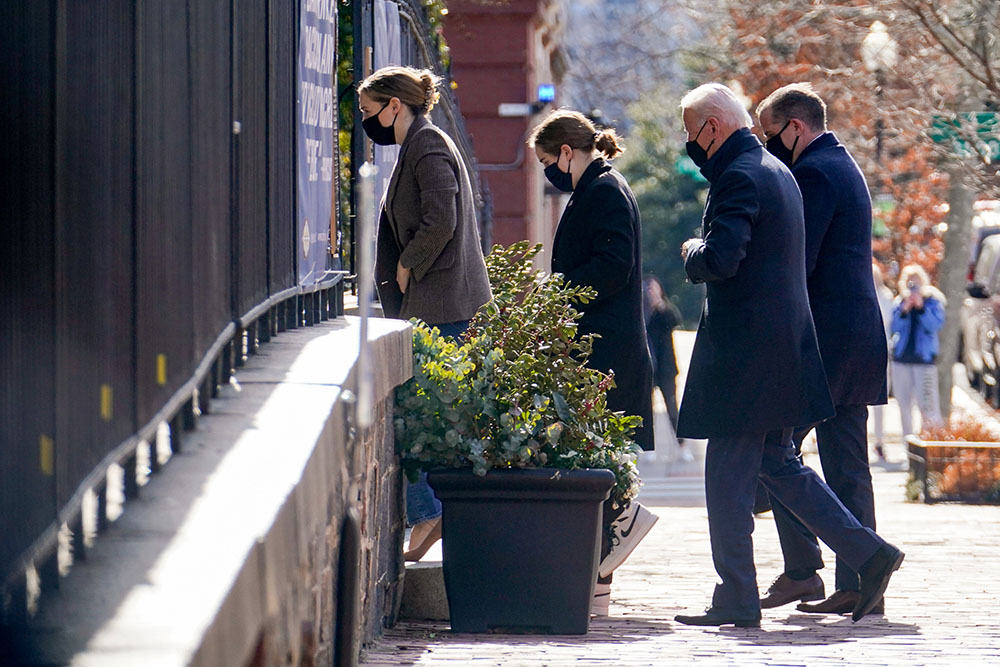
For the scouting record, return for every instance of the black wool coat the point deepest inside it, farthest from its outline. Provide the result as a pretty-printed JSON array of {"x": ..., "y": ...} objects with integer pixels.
[
  {"x": 598, "y": 244},
  {"x": 756, "y": 365},
  {"x": 838, "y": 216}
]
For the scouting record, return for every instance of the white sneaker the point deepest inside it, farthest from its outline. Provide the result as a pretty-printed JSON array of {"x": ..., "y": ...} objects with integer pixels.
[
  {"x": 602, "y": 600},
  {"x": 629, "y": 529}
]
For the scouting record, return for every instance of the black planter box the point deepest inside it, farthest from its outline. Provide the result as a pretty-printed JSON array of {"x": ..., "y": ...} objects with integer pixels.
[{"x": 521, "y": 547}]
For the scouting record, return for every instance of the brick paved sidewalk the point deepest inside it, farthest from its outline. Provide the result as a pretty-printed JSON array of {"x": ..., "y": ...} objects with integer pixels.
[{"x": 943, "y": 606}]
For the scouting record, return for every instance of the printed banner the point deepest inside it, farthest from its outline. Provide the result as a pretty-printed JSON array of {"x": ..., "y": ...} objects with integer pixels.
[{"x": 316, "y": 106}]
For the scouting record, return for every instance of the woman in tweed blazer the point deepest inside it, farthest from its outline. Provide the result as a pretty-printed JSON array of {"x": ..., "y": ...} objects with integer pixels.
[{"x": 428, "y": 258}]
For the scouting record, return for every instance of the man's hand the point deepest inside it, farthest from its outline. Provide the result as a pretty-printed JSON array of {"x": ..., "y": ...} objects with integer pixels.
[
  {"x": 402, "y": 277},
  {"x": 688, "y": 245}
]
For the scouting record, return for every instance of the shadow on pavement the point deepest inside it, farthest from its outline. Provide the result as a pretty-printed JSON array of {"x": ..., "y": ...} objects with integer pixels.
[
  {"x": 822, "y": 630},
  {"x": 413, "y": 639}
]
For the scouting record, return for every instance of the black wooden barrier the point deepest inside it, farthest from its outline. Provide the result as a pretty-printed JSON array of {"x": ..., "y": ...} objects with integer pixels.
[
  {"x": 148, "y": 243},
  {"x": 149, "y": 237}
]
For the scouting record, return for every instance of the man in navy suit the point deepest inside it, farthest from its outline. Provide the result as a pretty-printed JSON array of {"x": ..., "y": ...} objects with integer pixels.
[
  {"x": 838, "y": 223},
  {"x": 756, "y": 371}
]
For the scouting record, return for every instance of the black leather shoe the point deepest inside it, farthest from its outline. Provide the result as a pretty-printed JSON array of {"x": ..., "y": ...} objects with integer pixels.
[
  {"x": 841, "y": 602},
  {"x": 785, "y": 590},
  {"x": 713, "y": 617},
  {"x": 875, "y": 575}
]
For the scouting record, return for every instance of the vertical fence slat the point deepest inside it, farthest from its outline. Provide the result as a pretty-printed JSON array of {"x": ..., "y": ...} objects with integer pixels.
[{"x": 27, "y": 282}]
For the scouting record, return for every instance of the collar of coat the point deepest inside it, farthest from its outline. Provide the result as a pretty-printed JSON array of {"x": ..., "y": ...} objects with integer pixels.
[
  {"x": 418, "y": 123},
  {"x": 825, "y": 140},
  {"x": 594, "y": 169},
  {"x": 740, "y": 141}
]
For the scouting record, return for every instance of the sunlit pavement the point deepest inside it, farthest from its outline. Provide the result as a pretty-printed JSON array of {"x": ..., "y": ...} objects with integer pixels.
[{"x": 942, "y": 607}]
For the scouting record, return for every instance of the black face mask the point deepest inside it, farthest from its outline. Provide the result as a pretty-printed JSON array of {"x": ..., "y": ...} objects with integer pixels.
[
  {"x": 776, "y": 148},
  {"x": 698, "y": 154},
  {"x": 560, "y": 180},
  {"x": 378, "y": 133}
]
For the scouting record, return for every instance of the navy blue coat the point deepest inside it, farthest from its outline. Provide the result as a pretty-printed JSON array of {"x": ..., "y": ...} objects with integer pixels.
[
  {"x": 756, "y": 365},
  {"x": 598, "y": 243},
  {"x": 838, "y": 215}
]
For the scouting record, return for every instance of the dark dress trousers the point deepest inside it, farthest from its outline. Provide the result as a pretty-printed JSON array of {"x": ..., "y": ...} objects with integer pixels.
[
  {"x": 428, "y": 223},
  {"x": 598, "y": 243},
  {"x": 838, "y": 219},
  {"x": 756, "y": 371}
]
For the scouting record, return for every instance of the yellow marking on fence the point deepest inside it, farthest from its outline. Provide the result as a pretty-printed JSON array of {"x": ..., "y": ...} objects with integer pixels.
[
  {"x": 106, "y": 402},
  {"x": 47, "y": 455},
  {"x": 161, "y": 369}
]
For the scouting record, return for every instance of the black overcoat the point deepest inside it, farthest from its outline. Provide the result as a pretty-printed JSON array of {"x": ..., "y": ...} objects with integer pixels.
[
  {"x": 838, "y": 215},
  {"x": 756, "y": 365},
  {"x": 598, "y": 243}
]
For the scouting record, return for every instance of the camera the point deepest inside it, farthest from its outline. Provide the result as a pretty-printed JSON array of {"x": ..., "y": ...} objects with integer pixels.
[{"x": 911, "y": 285}]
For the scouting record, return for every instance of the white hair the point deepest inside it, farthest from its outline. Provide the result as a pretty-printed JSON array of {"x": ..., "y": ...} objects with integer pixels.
[{"x": 714, "y": 99}]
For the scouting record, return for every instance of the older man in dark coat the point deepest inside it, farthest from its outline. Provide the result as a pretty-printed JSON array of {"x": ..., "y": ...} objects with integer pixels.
[
  {"x": 838, "y": 220},
  {"x": 756, "y": 371}
]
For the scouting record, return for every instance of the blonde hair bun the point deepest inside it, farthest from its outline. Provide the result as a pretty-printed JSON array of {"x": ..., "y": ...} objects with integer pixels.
[{"x": 416, "y": 88}]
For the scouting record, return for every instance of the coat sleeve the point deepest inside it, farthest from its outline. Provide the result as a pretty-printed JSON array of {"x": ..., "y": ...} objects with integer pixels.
[
  {"x": 672, "y": 314},
  {"x": 899, "y": 321},
  {"x": 817, "y": 204},
  {"x": 612, "y": 239},
  {"x": 728, "y": 233},
  {"x": 386, "y": 257},
  {"x": 438, "y": 185}
]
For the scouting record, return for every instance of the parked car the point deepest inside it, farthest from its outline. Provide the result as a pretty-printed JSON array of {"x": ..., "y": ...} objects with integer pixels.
[
  {"x": 980, "y": 322},
  {"x": 985, "y": 223}
]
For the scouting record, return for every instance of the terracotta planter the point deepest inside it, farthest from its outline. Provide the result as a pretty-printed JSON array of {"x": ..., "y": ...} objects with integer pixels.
[{"x": 521, "y": 547}]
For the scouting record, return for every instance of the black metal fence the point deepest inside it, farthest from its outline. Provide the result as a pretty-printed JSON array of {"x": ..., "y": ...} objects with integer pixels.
[{"x": 149, "y": 237}]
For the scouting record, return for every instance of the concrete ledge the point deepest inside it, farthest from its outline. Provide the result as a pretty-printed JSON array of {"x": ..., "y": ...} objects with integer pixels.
[
  {"x": 424, "y": 595},
  {"x": 231, "y": 549}
]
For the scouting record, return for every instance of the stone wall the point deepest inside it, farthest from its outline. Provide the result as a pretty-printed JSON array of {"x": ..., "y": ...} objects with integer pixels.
[{"x": 236, "y": 551}]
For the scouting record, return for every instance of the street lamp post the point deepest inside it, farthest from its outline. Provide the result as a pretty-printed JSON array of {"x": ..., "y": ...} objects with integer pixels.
[{"x": 879, "y": 54}]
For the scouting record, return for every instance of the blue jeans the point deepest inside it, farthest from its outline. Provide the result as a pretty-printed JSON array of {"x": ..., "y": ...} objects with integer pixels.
[{"x": 421, "y": 505}]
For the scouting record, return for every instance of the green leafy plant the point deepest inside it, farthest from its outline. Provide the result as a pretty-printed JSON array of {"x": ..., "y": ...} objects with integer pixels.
[{"x": 514, "y": 391}]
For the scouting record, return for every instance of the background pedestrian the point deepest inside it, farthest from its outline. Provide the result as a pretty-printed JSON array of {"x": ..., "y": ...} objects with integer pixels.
[{"x": 917, "y": 317}]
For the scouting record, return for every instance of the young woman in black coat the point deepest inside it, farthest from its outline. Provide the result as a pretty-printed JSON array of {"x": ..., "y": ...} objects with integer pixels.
[{"x": 598, "y": 244}]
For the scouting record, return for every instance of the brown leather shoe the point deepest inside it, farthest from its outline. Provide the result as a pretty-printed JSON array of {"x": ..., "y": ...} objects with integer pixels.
[
  {"x": 841, "y": 602},
  {"x": 784, "y": 590}
]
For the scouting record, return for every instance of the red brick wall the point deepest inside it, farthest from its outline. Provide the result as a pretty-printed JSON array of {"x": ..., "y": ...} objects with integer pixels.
[{"x": 492, "y": 53}]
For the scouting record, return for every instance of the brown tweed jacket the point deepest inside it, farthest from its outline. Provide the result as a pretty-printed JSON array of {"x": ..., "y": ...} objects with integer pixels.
[{"x": 428, "y": 223}]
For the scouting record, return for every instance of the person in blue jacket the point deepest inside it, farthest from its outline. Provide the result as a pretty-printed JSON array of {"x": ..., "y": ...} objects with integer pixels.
[{"x": 917, "y": 317}]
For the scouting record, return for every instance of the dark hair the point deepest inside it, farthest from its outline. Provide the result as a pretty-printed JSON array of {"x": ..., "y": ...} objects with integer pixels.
[
  {"x": 796, "y": 100},
  {"x": 416, "y": 88},
  {"x": 575, "y": 130},
  {"x": 660, "y": 304}
]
